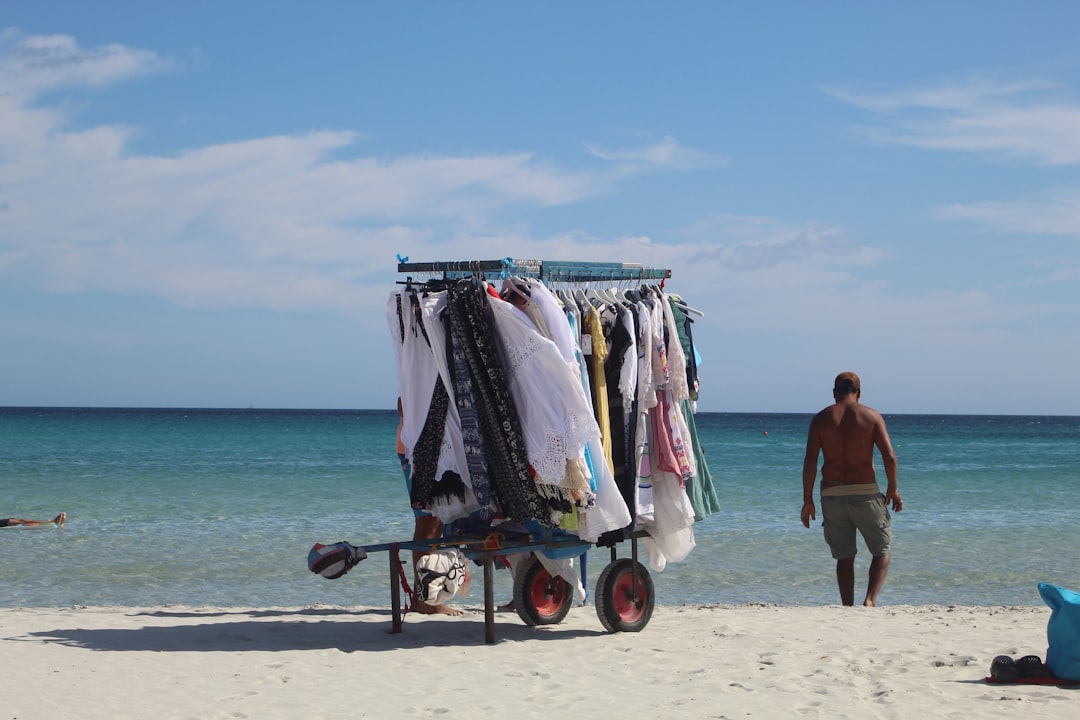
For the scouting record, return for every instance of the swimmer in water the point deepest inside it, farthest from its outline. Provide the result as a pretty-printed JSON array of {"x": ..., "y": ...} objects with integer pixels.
[{"x": 58, "y": 521}]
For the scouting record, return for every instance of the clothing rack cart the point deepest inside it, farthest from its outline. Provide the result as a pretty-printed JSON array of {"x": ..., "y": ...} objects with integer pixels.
[{"x": 624, "y": 596}]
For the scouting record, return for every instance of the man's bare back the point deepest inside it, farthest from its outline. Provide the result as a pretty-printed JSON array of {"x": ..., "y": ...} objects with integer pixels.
[{"x": 847, "y": 433}]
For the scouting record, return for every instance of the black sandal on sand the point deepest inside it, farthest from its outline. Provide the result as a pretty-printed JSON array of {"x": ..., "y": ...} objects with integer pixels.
[
  {"x": 1004, "y": 670},
  {"x": 1032, "y": 666},
  {"x": 1028, "y": 670}
]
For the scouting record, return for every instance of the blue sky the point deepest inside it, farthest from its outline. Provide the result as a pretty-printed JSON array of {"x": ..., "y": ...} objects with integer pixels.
[{"x": 201, "y": 203}]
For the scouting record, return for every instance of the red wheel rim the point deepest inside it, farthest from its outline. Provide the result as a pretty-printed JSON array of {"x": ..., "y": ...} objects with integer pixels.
[
  {"x": 547, "y": 593},
  {"x": 622, "y": 598}
]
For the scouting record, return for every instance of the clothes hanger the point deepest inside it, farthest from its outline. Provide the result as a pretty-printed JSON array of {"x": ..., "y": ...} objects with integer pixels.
[
  {"x": 567, "y": 298},
  {"x": 595, "y": 299},
  {"x": 608, "y": 295},
  {"x": 683, "y": 306},
  {"x": 581, "y": 299},
  {"x": 515, "y": 286}
]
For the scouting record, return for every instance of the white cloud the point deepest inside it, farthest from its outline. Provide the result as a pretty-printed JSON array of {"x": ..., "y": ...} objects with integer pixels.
[
  {"x": 278, "y": 222},
  {"x": 30, "y": 65},
  {"x": 1035, "y": 122},
  {"x": 1058, "y": 213},
  {"x": 958, "y": 97},
  {"x": 752, "y": 243},
  {"x": 666, "y": 153}
]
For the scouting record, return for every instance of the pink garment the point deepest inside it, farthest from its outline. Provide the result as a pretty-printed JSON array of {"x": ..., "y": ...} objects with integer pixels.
[
  {"x": 661, "y": 446},
  {"x": 683, "y": 453}
]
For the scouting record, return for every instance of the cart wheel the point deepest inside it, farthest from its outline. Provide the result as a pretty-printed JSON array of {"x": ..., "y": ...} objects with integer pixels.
[
  {"x": 539, "y": 598},
  {"x": 622, "y": 607}
]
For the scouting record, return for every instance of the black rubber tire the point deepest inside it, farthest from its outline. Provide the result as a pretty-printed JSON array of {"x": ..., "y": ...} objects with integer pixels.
[
  {"x": 616, "y": 605},
  {"x": 540, "y": 598}
]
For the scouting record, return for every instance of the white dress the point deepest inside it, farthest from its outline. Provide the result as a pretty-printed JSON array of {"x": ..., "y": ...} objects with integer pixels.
[
  {"x": 556, "y": 417},
  {"x": 419, "y": 365}
]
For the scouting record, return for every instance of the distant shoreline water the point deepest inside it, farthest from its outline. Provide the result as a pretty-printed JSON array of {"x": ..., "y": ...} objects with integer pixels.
[
  {"x": 286, "y": 410},
  {"x": 218, "y": 506}
]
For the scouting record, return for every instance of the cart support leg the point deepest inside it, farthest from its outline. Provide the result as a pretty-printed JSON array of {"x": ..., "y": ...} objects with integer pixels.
[
  {"x": 489, "y": 602},
  {"x": 584, "y": 560},
  {"x": 395, "y": 589}
]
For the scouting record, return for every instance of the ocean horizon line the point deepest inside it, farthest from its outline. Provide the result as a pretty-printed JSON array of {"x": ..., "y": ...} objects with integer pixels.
[{"x": 343, "y": 410}]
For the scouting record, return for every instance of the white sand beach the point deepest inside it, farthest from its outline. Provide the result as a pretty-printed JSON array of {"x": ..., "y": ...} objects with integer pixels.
[{"x": 746, "y": 661}]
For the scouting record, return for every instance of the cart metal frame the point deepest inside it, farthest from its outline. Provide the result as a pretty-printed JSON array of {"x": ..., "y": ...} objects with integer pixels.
[{"x": 484, "y": 550}]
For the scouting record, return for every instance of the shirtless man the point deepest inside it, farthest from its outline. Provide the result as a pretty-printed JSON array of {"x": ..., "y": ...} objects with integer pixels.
[
  {"x": 846, "y": 433},
  {"x": 58, "y": 521}
]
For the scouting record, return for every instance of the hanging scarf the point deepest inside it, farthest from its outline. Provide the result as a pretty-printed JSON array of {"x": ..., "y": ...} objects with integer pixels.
[
  {"x": 471, "y": 434},
  {"x": 500, "y": 426}
]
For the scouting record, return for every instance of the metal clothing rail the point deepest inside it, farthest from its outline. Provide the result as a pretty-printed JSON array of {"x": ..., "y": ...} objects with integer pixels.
[{"x": 552, "y": 270}]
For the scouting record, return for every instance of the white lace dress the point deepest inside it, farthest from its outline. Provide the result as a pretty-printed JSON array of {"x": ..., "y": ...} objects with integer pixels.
[{"x": 556, "y": 417}]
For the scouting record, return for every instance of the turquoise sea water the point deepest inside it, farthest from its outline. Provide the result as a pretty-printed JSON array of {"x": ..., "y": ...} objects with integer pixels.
[{"x": 220, "y": 507}]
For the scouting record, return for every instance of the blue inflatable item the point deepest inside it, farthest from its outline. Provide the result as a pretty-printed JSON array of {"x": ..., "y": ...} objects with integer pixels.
[{"x": 1062, "y": 631}]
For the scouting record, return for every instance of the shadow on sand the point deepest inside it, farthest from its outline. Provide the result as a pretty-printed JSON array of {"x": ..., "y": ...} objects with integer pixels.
[{"x": 280, "y": 630}]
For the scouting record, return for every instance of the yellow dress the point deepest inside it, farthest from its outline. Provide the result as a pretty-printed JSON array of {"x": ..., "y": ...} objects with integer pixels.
[{"x": 597, "y": 356}]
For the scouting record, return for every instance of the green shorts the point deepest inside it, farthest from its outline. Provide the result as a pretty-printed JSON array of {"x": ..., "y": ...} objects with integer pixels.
[{"x": 843, "y": 515}]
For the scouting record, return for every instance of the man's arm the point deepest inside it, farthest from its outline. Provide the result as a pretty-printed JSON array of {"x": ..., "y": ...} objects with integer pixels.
[
  {"x": 809, "y": 474},
  {"x": 891, "y": 463}
]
